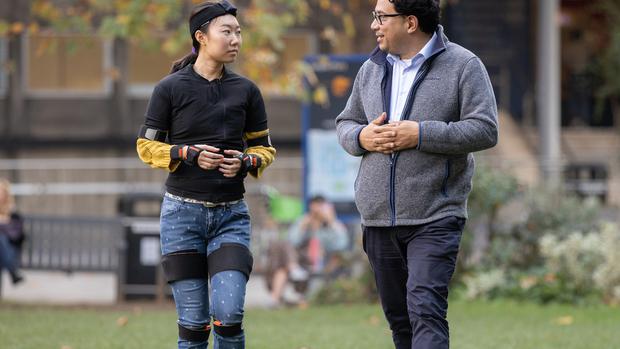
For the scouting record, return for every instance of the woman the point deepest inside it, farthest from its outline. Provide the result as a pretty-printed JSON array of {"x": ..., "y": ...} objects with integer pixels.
[
  {"x": 207, "y": 126},
  {"x": 11, "y": 233}
]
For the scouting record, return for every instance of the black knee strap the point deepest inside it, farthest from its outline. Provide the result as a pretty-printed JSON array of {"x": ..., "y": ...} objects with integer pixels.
[
  {"x": 227, "y": 330},
  {"x": 181, "y": 265},
  {"x": 201, "y": 335},
  {"x": 230, "y": 256}
]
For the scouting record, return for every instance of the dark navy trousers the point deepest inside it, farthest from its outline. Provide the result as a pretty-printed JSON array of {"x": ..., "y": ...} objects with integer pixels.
[{"x": 413, "y": 266}]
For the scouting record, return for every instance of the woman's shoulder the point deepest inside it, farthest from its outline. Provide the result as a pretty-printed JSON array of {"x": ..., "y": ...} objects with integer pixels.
[
  {"x": 244, "y": 81},
  {"x": 168, "y": 82},
  {"x": 171, "y": 78}
]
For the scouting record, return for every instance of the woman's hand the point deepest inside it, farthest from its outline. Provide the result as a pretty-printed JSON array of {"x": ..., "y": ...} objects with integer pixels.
[
  {"x": 231, "y": 166},
  {"x": 209, "y": 158}
]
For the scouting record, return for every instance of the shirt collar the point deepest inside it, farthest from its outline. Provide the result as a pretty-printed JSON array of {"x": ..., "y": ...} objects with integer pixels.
[{"x": 425, "y": 52}]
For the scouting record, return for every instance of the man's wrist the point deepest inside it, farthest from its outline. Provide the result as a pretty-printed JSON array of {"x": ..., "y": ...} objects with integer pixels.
[{"x": 361, "y": 140}]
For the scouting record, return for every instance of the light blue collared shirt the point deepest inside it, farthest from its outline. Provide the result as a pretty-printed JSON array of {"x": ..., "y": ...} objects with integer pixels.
[{"x": 404, "y": 72}]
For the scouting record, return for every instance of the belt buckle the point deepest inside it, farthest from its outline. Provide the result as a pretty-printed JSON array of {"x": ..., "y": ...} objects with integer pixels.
[{"x": 210, "y": 204}]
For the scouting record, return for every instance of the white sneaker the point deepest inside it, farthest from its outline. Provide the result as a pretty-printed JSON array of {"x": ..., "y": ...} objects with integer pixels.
[
  {"x": 272, "y": 304},
  {"x": 298, "y": 274}
]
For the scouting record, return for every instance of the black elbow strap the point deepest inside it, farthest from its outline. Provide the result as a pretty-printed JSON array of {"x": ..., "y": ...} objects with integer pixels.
[
  {"x": 264, "y": 141},
  {"x": 182, "y": 265},
  {"x": 201, "y": 335},
  {"x": 230, "y": 256},
  {"x": 152, "y": 134}
]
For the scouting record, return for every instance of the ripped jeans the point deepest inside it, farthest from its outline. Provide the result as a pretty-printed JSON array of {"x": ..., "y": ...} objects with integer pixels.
[{"x": 192, "y": 226}]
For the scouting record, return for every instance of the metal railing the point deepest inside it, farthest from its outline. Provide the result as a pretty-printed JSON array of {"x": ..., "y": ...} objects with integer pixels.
[{"x": 72, "y": 244}]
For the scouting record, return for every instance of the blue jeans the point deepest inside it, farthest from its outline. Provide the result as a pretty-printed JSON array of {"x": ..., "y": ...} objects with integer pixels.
[
  {"x": 186, "y": 226},
  {"x": 8, "y": 257}
]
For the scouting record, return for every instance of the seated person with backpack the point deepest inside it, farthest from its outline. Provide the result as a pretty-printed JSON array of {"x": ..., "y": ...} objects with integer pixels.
[{"x": 316, "y": 242}]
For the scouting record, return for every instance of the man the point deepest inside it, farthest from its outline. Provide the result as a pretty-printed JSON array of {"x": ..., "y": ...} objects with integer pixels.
[
  {"x": 316, "y": 243},
  {"x": 418, "y": 109}
]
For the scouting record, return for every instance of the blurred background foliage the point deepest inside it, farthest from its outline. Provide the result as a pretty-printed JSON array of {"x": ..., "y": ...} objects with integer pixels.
[
  {"x": 161, "y": 26},
  {"x": 538, "y": 244},
  {"x": 607, "y": 65},
  {"x": 542, "y": 244}
]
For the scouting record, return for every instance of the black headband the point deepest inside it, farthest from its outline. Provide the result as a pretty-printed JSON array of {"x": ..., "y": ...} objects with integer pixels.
[{"x": 201, "y": 18}]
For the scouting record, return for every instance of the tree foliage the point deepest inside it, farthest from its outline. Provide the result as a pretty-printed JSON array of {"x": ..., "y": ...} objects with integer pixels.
[{"x": 162, "y": 26}]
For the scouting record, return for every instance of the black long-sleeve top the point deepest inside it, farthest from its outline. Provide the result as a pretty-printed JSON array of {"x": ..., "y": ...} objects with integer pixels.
[{"x": 227, "y": 113}]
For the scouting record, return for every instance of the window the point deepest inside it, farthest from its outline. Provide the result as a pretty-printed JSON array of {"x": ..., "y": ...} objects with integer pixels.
[
  {"x": 297, "y": 46},
  {"x": 3, "y": 66},
  {"x": 67, "y": 64},
  {"x": 146, "y": 66}
]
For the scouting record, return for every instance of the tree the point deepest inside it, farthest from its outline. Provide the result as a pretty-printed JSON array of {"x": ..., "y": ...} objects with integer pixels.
[
  {"x": 608, "y": 63},
  {"x": 162, "y": 25}
]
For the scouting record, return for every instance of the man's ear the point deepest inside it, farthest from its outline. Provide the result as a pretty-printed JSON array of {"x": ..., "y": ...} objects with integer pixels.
[{"x": 412, "y": 24}]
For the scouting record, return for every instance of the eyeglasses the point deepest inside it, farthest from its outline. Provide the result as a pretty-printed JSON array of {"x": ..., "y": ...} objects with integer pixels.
[{"x": 381, "y": 17}]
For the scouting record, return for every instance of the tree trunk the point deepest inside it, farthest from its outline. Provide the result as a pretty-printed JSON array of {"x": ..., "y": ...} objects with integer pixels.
[{"x": 615, "y": 111}]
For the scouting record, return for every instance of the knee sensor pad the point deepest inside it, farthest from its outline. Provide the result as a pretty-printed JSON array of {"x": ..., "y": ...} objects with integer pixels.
[
  {"x": 200, "y": 335},
  {"x": 230, "y": 256},
  {"x": 187, "y": 264},
  {"x": 227, "y": 330}
]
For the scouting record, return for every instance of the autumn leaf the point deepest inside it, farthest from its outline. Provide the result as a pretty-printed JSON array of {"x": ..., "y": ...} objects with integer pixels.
[
  {"x": 374, "y": 320},
  {"x": 122, "y": 321},
  {"x": 564, "y": 320},
  {"x": 17, "y": 28}
]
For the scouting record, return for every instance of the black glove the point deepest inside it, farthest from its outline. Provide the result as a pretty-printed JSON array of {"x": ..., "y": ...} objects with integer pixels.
[
  {"x": 249, "y": 162},
  {"x": 187, "y": 153}
]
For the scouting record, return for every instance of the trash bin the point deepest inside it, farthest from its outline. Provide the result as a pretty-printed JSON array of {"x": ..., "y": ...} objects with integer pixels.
[{"x": 141, "y": 266}]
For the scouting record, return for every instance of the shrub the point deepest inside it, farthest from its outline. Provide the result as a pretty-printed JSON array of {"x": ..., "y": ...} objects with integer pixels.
[{"x": 588, "y": 262}]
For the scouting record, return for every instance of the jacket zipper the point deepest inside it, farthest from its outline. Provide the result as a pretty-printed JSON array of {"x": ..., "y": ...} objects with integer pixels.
[{"x": 394, "y": 157}]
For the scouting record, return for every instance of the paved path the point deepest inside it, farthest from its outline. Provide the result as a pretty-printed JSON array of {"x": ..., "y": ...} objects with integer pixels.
[{"x": 60, "y": 288}]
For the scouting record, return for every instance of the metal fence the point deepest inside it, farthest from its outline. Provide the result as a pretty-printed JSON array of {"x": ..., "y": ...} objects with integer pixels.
[{"x": 72, "y": 244}]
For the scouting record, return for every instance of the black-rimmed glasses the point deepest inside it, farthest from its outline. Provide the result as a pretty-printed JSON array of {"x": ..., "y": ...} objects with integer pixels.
[{"x": 380, "y": 17}]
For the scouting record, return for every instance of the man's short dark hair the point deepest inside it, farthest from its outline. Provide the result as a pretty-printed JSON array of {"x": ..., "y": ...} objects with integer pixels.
[
  {"x": 426, "y": 11},
  {"x": 317, "y": 198}
]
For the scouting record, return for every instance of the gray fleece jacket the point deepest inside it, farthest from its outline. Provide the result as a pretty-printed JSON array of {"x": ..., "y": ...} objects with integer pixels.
[{"x": 453, "y": 101}]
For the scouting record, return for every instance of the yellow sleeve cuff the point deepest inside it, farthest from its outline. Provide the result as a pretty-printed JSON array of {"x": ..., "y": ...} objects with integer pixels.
[
  {"x": 156, "y": 154},
  {"x": 266, "y": 154}
]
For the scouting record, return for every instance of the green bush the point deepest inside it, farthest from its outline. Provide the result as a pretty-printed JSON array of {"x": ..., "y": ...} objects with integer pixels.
[
  {"x": 349, "y": 290},
  {"x": 492, "y": 189},
  {"x": 555, "y": 252},
  {"x": 547, "y": 212},
  {"x": 586, "y": 262}
]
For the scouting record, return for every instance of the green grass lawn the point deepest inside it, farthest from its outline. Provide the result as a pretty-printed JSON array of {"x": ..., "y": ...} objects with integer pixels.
[{"x": 476, "y": 325}]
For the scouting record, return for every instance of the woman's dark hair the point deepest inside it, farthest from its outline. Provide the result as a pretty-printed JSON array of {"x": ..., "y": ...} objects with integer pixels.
[
  {"x": 426, "y": 11},
  {"x": 191, "y": 58}
]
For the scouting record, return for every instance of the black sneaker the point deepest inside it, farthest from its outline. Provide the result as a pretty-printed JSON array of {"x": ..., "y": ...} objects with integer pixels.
[{"x": 17, "y": 278}]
